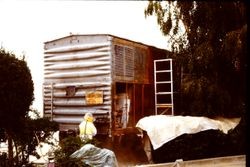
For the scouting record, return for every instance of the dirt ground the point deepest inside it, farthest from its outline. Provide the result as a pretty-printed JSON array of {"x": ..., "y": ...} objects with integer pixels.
[{"x": 127, "y": 148}]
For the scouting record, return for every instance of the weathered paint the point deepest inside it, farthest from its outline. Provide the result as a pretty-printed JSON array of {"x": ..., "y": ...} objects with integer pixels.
[
  {"x": 85, "y": 64},
  {"x": 78, "y": 64}
]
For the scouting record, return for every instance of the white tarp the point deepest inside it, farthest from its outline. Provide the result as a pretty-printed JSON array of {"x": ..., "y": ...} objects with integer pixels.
[
  {"x": 89, "y": 154},
  {"x": 162, "y": 128},
  {"x": 45, "y": 150}
]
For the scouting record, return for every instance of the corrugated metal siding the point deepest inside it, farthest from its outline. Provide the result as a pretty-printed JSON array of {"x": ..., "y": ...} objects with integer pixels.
[
  {"x": 84, "y": 64},
  {"x": 78, "y": 64}
]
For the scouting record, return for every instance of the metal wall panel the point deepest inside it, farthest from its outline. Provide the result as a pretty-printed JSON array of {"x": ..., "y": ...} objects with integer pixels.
[
  {"x": 84, "y": 64},
  {"x": 130, "y": 62}
]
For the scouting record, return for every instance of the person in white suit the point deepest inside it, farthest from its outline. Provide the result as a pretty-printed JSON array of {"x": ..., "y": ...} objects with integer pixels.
[{"x": 87, "y": 127}]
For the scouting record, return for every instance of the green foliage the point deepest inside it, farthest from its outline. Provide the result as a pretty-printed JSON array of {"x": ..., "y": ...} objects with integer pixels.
[
  {"x": 16, "y": 94},
  {"x": 16, "y": 90},
  {"x": 213, "y": 62},
  {"x": 203, "y": 97},
  {"x": 34, "y": 131},
  {"x": 164, "y": 18},
  {"x": 211, "y": 70},
  {"x": 68, "y": 146}
]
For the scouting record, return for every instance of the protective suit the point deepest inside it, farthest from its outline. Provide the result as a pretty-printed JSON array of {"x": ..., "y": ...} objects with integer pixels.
[{"x": 87, "y": 127}]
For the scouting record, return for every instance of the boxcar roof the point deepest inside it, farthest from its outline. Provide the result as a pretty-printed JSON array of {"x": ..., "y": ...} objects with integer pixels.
[{"x": 74, "y": 35}]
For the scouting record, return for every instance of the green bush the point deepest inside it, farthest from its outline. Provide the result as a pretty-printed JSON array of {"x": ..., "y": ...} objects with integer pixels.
[{"x": 69, "y": 145}]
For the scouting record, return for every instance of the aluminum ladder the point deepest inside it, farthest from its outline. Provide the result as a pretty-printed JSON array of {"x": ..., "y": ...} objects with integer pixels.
[{"x": 163, "y": 85}]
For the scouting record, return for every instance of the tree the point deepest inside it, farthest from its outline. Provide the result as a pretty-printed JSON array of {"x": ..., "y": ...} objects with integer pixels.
[
  {"x": 16, "y": 93},
  {"x": 212, "y": 53},
  {"x": 16, "y": 90},
  {"x": 34, "y": 131},
  {"x": 67, "y": 147},
  {"x": 211, "y": 63}
]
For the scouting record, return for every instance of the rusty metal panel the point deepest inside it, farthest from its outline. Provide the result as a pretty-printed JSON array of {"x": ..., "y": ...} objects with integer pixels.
[
  {"x": 124, "y": 62},
  {"x": 141, "y": 62},
  {"x": 130, "y": 62},
  {"x": 118, "y": 60}
]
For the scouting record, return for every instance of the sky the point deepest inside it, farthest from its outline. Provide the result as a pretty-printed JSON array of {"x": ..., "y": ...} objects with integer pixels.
[{"x": 26, "y": 25}]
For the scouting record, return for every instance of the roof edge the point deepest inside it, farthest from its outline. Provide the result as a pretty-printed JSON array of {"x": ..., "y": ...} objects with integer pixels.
[{"x": 103, "y": 34}]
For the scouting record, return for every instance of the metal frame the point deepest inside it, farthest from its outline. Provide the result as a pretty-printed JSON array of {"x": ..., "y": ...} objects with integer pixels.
[{"x": 165, "y": 105}]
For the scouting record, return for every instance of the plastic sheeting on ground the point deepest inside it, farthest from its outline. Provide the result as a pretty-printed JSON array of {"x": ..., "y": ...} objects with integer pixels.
[
  {"x": 45, "y": 150},
  {"x": 162, "y": 128},
  {"x": 94, "y": 156}
]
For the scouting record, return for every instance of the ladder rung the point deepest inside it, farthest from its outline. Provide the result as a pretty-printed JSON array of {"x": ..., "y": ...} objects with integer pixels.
[
  {"x": 162, "y": 71},
  {"x": 163, "y": 93},
  {"x": 161, "y": 60},
  {"x": 165, "y": 105},
  {"x": 162, "y": 82}
]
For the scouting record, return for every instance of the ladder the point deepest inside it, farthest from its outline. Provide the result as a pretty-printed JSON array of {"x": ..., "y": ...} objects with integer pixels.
[{"x": 163, "y": 84}]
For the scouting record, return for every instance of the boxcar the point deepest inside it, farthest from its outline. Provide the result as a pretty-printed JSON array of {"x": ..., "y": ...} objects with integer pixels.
[{"x": 108, "y": 76}]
